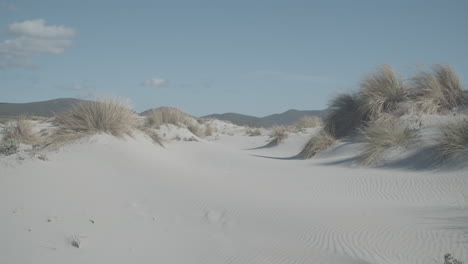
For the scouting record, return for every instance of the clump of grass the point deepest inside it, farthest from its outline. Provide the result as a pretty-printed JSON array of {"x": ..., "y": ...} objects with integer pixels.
[
  {"x": 345, "y": 115},
  {"x": 86, "y": 118},
  {"x": 381, "y": 92},
  {"x": 453, "y": 142},
  {"x": 9, "y": 146},
  {"x": 382, "y": 134},
  {"x": 278, "y": 134},
  {"x": 168, "y": 115},
  {"x": 196, "y": 129},
  {"x": 252, "y": 132},
  {"x": 21, "y": 131},
  {"x": 309, "y": 121},
  {"x": 209, "y": 130},
  {"x": 449, "y": 259},
  {"x": 317, "y": 144},
  {"x": 437, "y": 91}
]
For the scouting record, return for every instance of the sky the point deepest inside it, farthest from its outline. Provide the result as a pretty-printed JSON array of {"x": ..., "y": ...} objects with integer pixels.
[{"x": 250, "y": 57}]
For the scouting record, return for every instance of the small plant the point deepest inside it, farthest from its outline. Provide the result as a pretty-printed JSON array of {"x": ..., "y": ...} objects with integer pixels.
[
  {"x": 381, "y": 135},
  {"x": 252, "y": 132},
  {"x": 449, "y": 259},
  {"x": 345, "y": 115},
  {"x": 437, "y": 91},
  {"x": 167, "y": 115},
  {"x": 10, "y": 146},
  {"x": 317, "y": 144},
  {"x": 209, "y": 130},
  {"x": 278, "y": 134},
  {"x": 381, "y": 92},
  {"x": 309, "y": 121},
  {"x": 22, "y": 131},
  {"x": 453, "y": 142},
  {"x": 196, "y": 129}
]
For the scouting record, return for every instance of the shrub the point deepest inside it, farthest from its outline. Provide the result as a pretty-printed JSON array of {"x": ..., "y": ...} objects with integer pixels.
[
  {"x": 453, "y": 142},
  {"x": 449, "y": 259},
  {"x": 168, "y": 115},
  {"x": 344, "y": 116},
  {"x": 196, "y": 129},
  {"x": 253, "y": 132},
  {"x": 381, "y": 135},
  {"x": 87, "y": 118},
  {"x": 317, "y": 144},
  {"x": 278, "y": 134},
  {"x": 209, "y": 130},
  {"x": 381, "y": 92},
  {"x": 309, "y": 121},
  {"x": 437, "y": 91},
  {"x": 9, "y": 146},
  {"x": 22, "y": 131}
]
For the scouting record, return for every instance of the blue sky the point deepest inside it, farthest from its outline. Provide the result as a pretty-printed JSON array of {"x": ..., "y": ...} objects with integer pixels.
[{"x": 250, "y": 57}]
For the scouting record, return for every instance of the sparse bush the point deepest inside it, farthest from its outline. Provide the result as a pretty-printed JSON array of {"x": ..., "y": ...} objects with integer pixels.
[
  {"x": 309, "y": 121},
  {"x": 382, "y": 134},
  {"x": 87, "y": 118},
  {"x": 22, "y": 131},
  {"x": 437, "y": 91},
  {"x": 278, "y": 134},
  {"x": 344, "y": 117},
  {"x": 168, "y": 115},
  {"x": 453, "y": 142},
  {"x": 10, "y": 146},
  {"x": 209, "y": 130},
  {"x": 153, "y": 136},
  {"x": 449, "y": 259},
  {"x": 196, "y": 129},
  {"x": 381, "y": 92},
  {"x": 317, "y": 144},
  {"x": 253, "y": 132}
]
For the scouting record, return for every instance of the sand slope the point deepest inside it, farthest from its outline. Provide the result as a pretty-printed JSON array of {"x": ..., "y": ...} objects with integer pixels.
[{"x": 130, "y": 201}]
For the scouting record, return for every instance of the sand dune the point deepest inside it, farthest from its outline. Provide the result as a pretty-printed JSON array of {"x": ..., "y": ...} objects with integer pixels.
[{"x": 129, "y": 201}]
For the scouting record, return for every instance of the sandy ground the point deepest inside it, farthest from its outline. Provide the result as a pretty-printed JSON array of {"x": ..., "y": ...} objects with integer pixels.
[{"x": 220, "y": 201}]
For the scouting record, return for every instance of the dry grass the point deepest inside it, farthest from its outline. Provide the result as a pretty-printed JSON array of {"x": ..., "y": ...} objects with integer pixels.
[
  {"x": 196, "y": 129},
  {"x": 168, "y": 115},
  {"x": 382, "y": 134},
  {"x": 278, "y": 134},
  {"x": 453, "y": 142},
  {"x": 309, "y": 121},
  {"x": 209, "y": 130},
  {"x": 22, "y": 131},
  {"x": 438, "y": 91},
  {"x": 381, "y": 92},
  {"x": 253, "y": 132},
  {"x": 106, "y": 116},
  {"x": 317, "y": 144},
  {"x": 344, "y": 117}
]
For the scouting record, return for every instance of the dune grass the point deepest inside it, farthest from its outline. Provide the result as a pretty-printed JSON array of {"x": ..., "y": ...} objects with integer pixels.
[
  {"x": 278, "y": 134},
  {"x": 382, "y": 134},
  {"x": 168, "y": 115},
  {"x": 21, "y": 131},
  {"x": 317, "y": 144},
  {"x": 345, "y": 115},
  {"x": 112, "y": 116},
  {"x": 453, "y": 141},
  {"x": 381, "y": 92},
  {"x": 309, "y": 122},
  {"x": 253, "y": 132},
  {"x": 437, "y": 91}
]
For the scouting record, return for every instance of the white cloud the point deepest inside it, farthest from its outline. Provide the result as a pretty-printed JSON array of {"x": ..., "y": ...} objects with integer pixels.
[
  {"x": 38, "y": 28},
  {"x": 34, "y": 38},
  {"x": 155, "y": 82}
]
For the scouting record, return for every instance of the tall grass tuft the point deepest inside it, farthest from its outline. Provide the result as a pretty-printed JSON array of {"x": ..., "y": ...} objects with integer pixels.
[
  {"x": 453, "y": 142},
  {"x": 309, "y": 121},
  {"x": 344, "y": 117},
  {"x": 86, "y": 118},
  {"x": 437, "y": 91},
  {"x": 381, "y": 92},
  {"x": 382, "y": 134},
  {"x": 317, "y": 144},
  {"x": 21, "y": 131},
  {"x": 278, "y": 134},
  {"x": 168, "y": 115}
]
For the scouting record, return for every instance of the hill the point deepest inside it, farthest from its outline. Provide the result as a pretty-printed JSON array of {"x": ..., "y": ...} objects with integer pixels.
[{"x": 43, "y": 108}]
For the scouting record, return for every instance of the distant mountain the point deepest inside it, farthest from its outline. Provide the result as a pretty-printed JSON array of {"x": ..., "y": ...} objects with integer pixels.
[
  {"x": 289, "y": 117},
  {"x": 44, "y": 108}
]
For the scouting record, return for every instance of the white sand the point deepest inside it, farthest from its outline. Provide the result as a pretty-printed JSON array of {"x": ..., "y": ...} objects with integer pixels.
[{"x": 214, "y": 201}]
